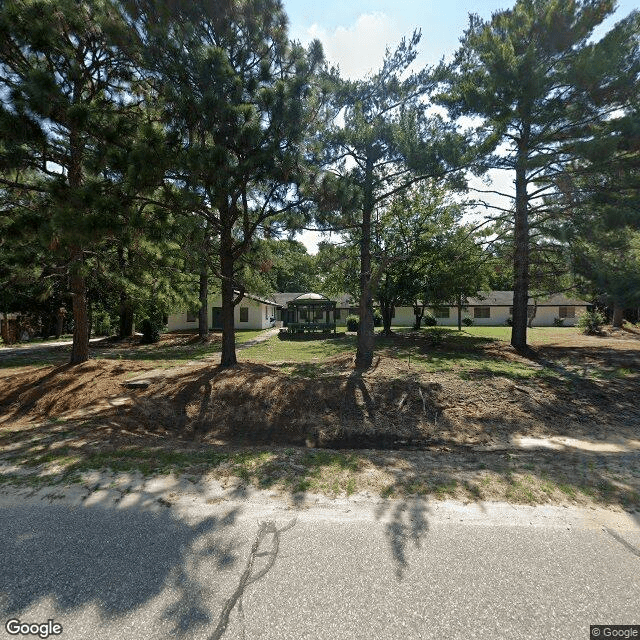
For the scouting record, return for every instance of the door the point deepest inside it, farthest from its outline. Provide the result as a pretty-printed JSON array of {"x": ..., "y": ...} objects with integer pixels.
[{"x": 216, "y": 317}]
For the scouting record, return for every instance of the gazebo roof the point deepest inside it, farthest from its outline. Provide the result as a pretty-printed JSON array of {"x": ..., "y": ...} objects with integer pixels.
[{"x": 309, "y": 296}]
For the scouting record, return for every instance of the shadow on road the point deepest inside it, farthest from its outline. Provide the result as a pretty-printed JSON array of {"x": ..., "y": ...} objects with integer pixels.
[{"x": 118, "y": 560}]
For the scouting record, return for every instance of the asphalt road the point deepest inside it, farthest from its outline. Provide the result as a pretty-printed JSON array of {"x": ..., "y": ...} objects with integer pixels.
[{"x": 261, "y": 567}]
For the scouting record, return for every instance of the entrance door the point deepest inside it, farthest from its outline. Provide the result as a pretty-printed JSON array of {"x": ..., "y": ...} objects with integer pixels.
[{"x": 216, "y": 317}]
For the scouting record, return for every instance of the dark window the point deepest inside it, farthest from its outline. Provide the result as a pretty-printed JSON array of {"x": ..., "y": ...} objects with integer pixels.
[
  {"x": 303, "y": 314},
  {"x": 441, "y": 312},
  {"x": 244, "y": 314},
  {"x": 567, "y": 312},
  {"x": 337, "y": 316},
  {"x": 191, "y": 317},
  {"x": 481, "y": 312}
]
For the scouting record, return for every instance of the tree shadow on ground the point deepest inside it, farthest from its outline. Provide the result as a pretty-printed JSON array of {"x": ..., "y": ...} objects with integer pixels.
[{"x": 116, "y": 559}]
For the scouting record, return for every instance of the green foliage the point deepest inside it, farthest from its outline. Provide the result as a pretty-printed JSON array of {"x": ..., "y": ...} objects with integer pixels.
[
  {"x": 467, "y": 322},
  {"x": 558, "y": 322},
  {"x": 377, "y": 318},
  {"x": 591, "y": 322},
  {"x": 102, "y": 325},
  {"x": 352, "y": 323},
  {"x": 539, "y": 86},
  {"x": 429, "y": 320}
]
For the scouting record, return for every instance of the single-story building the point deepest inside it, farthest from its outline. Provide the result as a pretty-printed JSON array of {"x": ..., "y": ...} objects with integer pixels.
[
  {"x": 491, "y": 308},
  {"x": 252, "y": 313},
  {"x": 488, "y": 308},
  {"x": 496, "y": 308}
]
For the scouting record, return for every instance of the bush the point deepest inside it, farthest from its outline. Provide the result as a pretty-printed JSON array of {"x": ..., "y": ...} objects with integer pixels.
[
  {"x": 591, "y": 322},
  {"x": 429, "y": 320},
  {"x": 508, "y": 321},
  {"x": 102, "y": 324},
  {"x": 467, "y": 322},
  {"x": 558, "y": 322},
  {"x": 352, "y": 323},
  {"x": 377, "y": 318}
]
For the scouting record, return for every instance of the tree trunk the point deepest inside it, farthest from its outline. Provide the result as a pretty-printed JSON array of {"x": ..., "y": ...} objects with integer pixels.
[
  {"x": 203, "y": 314},
  {"x": 459, "y": 313},
  {"x": 618, "y": 315},
  {"x": 89, "y": 318},
  {"x": 418, "y": 314},
  {"x": 521, "y": 253},
  {"x": 366, "y": 335},
  {"x": 386, "y": 308},
  {"x": 531, "y": 317},
  {"x": 80, "y": 348},
  {"x": 228, "y": 357},
  {"x": 60, "y": 316},
  {"x": 125, "y": 329}
]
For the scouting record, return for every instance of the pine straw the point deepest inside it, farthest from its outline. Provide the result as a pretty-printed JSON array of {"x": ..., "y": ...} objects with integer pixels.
[{"x": 325, "y": 404}]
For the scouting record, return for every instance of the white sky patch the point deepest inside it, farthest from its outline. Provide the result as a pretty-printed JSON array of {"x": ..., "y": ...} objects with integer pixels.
[{"x": 358, "y": 49}]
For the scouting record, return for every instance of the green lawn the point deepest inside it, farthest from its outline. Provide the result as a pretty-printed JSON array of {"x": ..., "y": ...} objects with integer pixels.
[{"x": 163, "y": 355}]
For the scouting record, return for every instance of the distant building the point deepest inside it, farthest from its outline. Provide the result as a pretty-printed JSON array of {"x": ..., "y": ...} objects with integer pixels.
[{"x": 488, "y": 308}]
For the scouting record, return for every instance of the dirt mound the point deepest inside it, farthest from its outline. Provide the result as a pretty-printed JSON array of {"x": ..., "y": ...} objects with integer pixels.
[{"x": 326, "y": 403}]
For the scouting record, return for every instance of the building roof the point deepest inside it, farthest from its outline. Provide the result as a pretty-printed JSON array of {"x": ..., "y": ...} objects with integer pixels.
[
  {"x": 505, "y": 299},
  {"x": 259, "y": 299}
]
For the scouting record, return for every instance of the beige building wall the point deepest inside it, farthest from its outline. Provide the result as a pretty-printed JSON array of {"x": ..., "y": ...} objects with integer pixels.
[{"x": 258, "y": 314}]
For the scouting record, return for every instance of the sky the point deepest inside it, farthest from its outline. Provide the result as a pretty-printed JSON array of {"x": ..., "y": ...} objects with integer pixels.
[{"x": 355, "y": 34}]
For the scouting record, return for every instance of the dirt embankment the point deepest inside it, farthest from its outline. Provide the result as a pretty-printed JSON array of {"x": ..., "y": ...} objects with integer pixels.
[{"x": 392, "y": 405}]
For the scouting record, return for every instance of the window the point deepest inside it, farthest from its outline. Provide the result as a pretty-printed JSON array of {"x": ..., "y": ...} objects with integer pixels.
[
  {"x": 337, "y": 316},
  {"x": 191, "y": 317},
  {"x": 244, "y": 314},
  {"x": 567, "y": 312},
  {"x": 441, "y": 312},
  {"x": 481, "y": 312},
  {"x": 319, "y": 314},
  {"x": 303, "y": 314}
]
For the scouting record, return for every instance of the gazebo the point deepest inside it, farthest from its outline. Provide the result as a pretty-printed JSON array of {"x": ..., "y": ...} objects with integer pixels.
[{"x": 311, "y": 312}]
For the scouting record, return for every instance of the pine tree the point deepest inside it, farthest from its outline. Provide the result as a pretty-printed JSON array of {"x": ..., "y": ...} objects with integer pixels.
[
  {"x": 390, "y": 144},
  {"x": 66, "y": 75},
  {"x": 539, "y": 86},
  {"x": 239, "y": 101}
]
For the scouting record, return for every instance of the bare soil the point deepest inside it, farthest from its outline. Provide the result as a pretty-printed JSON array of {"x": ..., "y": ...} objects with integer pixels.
[{"x": 579, "y": 412}]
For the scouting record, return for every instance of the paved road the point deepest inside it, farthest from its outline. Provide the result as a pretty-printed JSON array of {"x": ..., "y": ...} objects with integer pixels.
[{"x": 144, "y": 564}]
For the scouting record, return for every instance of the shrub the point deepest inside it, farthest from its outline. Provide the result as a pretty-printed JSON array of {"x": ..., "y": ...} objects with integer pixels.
[
  {"x": 508, "y": 322},
  {"x": 352, "y": 323},
  {"x": 102, "y": 324},
  {"x": 558, "y": 322},
  {"x": 467, "y": 322},
  {"x": 591, "y": 322},
  {"x": 377, "y": 318},
  {"x": 150, "y": 332},
  {"x": 429, "y": 320}
]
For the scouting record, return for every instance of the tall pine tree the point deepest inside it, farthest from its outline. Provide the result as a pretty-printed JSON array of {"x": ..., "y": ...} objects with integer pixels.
[{"x": 539, "y": 85}]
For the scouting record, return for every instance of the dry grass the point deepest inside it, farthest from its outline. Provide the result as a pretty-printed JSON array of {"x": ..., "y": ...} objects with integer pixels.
[{"x": 464, "y": 417}]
